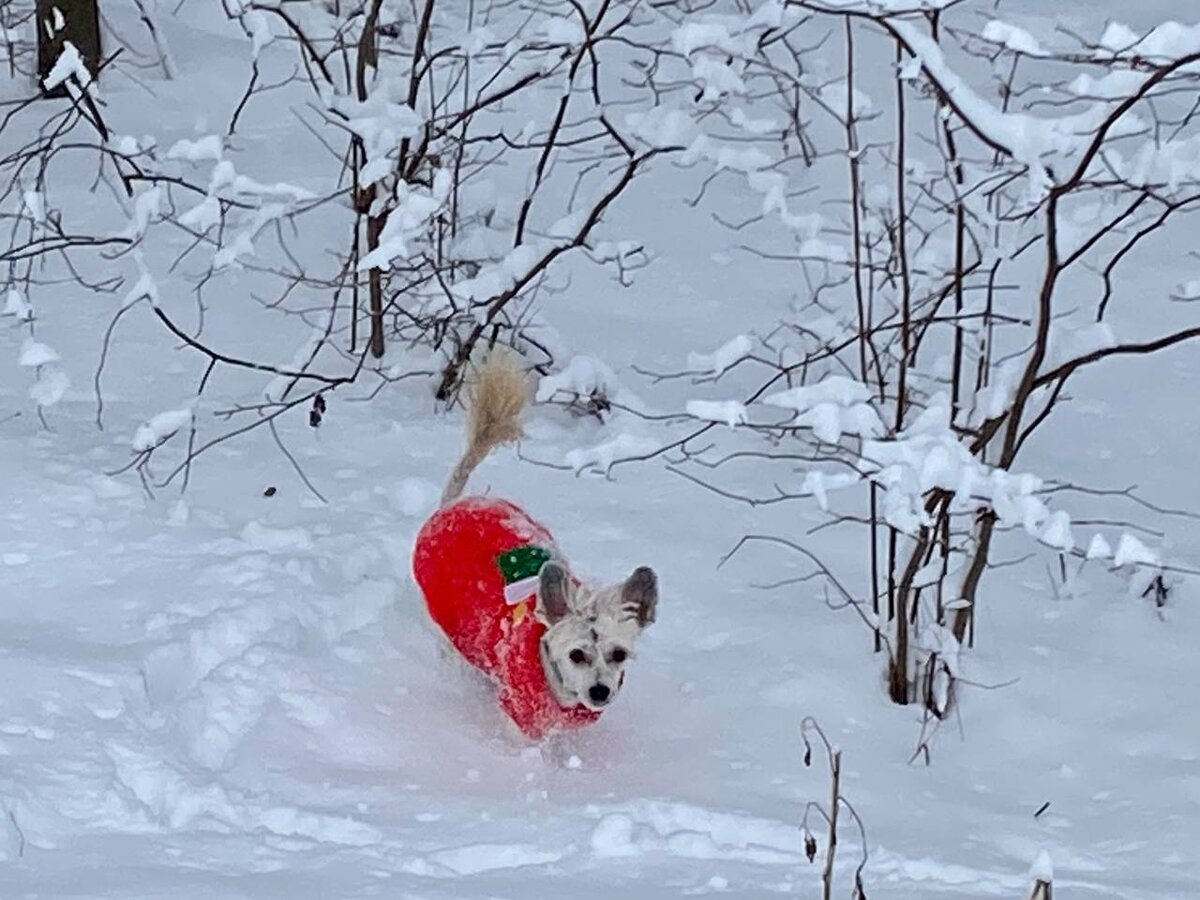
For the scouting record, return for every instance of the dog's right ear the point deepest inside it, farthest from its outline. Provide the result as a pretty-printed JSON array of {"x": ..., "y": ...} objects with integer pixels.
[
  {"x": 639, "y": 594},
  {"x": 552, "y": 592}
]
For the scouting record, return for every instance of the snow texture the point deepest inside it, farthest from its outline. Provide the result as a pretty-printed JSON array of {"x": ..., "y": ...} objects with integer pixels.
[
  {"x": 34, "y": 353},
  {"x": 160, "y": 427},
  {"x": 582, "y": 376},
  {"x": 69, "y": 65},
  {"x": 729, "y": 412},
  {"x": 235, "y": 692},
  {"x": 723, "y": 358},
  {"x": 17, "y": 306}
]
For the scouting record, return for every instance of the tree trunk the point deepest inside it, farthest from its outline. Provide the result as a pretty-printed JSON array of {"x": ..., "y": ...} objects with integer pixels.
[
  {"x": 375, "y": 283},
  {"x": 62, "y": 21},
  {"x": 368, "y": 58}
]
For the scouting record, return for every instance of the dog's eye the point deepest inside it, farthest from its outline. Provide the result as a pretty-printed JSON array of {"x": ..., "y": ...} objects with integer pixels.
[
  {"x": 578, "y": 657},
  {"x": 619, "y": 655}
]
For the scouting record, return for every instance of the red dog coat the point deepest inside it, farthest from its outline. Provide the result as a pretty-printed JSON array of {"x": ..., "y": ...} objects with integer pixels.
[{"x": 476, "y": 561}]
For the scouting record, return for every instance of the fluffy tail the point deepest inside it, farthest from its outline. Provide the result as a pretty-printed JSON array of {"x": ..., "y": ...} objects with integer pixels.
[{"x": 495, "y": 399}]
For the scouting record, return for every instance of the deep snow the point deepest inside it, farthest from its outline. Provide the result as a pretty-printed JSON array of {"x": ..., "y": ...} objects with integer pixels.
[{"x": 235, "y": 695}]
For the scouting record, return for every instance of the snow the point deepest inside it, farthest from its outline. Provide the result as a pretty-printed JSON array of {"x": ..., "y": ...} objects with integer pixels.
[
  {"x": 1056, "y": 531},
  {"x": 50, "y": 387},
  {"x": 729, "y": 412},
  {"x": 1042, "y": 868},
  {"x": 1131, "y": 551},
  {"x": 17, "y": 306},
  {"x": 34, "y": 203},
  {"x": 835, "y": 390},
  {"x": 662, "y": 126},
  {"x": 718, "y": 79},
  {"x": 381, "y": 125},
  {"x": 68, "y": 65},
  {"x": 203, "y": 216},
  {"x": 35, "y": 353},
  {"x": 834, "y": 406},
  {"x": 208, "y": 148},
  {"x": 723, "y": 358},
  {"x": 225, "y": 175},
  {"x": 927, "y": 455},
  {"x": 1033, "y": 140},
  {"x": 1168, "y": 40},
  {"x": 258, "y": 28},
  {"x": 1012, "y": 38},
  {"x": 581, "y": 376},
  {"x": 612, "y": 251},
  {"x": 602, "y": 456},
  {"x": 835, "y": 96},
  {"x": 234, "y": 691},
  {"x": 1099, "y": 548},
  {"x": 726, "y": 157},
  {"x": 1079, "y": 342},
  {"x": 239, "y": 247},
  {"x": 693, "y": 36},
  {"x": 146, "y": 208},
  {"x": 276, "y": 540},
  {"x": 160, "y": 427},
  {"x": 996, "y": 397},
  {"x": 406, "y": 223},
  {"x": 562, "y": 30},
  {"x": 416, "y": 497}
]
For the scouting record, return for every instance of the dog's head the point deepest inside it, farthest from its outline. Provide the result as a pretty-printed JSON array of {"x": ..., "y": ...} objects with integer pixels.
[{"x": 590, "y": 632}]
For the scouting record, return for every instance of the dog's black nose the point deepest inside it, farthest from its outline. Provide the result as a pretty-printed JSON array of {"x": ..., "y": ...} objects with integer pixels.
[{"x": 599, "y": 693}]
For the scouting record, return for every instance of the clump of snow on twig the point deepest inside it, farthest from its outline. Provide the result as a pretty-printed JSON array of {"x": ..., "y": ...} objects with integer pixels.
[
  {"x": 34, "y": 354},
  {"x": 1012, "y": 38},
  {"x": 16, "y": 305},
  {"x": 51, "y": 382},
  {"x": 729, "y": 412},
  {"x": 832, "y": 407},
  {"x": 582, "y": 377},
  {"x": 161, "y": 427},
  {"x": 1131, "y": 551},
  {"x": 587, "y": 378},
  {"x": 1099, "y": 548},
  {"x": 602, "y": 456},
  {"x": 723, "y": 358},
  {"x": 50, "y": 387},
  {"x": 207, "y": 148},
  {"x": 69, "y": 64}
]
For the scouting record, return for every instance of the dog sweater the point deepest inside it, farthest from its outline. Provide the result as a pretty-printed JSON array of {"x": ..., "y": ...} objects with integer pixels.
[{"x": 476, "y": 561}]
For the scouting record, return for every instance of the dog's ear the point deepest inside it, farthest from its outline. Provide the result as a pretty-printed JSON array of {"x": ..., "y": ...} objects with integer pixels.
[
  {"x": 553, "y": 585},
  {"x": 639, "y": 595}
]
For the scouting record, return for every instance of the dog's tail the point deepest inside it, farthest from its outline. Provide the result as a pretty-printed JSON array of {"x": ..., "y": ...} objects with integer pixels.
[{"x": 495, "y": 398}]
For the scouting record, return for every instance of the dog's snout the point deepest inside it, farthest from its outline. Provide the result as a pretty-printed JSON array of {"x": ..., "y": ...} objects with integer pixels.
[{"x": 599, "y": 693}]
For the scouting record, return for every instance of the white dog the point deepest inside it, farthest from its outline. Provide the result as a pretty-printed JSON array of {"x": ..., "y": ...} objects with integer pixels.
[{"x": 496, "y": 583}]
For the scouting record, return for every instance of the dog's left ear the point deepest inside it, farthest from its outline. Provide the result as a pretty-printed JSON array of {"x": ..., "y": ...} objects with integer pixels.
[
  {"x": 553, "y": 592},
  {"x": 639, "y": 595}
]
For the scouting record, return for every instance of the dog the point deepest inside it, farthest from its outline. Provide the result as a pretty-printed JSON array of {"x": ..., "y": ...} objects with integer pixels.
[{"x": 497, "y": 585}]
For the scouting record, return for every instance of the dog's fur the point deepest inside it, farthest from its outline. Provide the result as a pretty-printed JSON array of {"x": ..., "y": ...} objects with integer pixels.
[{"x": 590, "y": 629}]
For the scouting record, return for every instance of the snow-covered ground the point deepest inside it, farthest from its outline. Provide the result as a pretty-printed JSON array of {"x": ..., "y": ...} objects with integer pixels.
[{"x": 237, "y": 695}]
